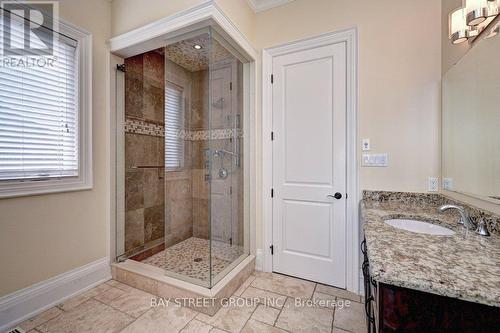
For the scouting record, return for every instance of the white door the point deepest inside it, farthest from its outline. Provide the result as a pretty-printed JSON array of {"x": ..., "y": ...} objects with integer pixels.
[{"x": 309, "y": 164}]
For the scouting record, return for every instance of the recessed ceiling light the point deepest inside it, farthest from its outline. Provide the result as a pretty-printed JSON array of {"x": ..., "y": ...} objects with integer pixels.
[{"x": 197, "y": 47}]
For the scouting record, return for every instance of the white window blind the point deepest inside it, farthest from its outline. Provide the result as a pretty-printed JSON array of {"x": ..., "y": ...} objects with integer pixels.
[
  {"x": 174, "y": 123},
  {"x": 39, "y": 130}
]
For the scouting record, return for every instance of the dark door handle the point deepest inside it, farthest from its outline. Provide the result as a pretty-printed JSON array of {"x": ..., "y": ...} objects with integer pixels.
[{"x": 336, "y": 196}]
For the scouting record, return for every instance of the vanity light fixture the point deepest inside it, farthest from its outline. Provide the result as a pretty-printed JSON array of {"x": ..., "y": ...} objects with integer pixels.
[
  {"x": 459, "y": 31},
  {"x": 493, "y": 8},
  {"x": 468, "y": 21},
  {"x": 197, "y": 47},
  {"x": 477, "y": 11}
]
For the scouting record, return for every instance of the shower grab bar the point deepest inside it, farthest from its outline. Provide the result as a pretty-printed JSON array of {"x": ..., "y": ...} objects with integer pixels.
[
  {"x": 147, "y": 167},
  {"x": 224, "y": 151}
]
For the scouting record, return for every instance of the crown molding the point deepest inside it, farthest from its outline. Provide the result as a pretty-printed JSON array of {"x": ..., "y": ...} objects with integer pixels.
[{"x": 262, "y": 5}]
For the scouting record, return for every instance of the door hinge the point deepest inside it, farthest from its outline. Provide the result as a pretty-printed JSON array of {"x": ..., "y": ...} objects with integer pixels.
[
  {"x": 346, "y": 195},
  {"x": 272, "y": 78},
  {"x": 272, "y": 249},
  {"x": 230, "y": 86},
  {"x": 272, "y": 136},
  {"x": 231, "y": 241},
  {"x": 120, "y": 67},
  {"x": 272, "y": 193}
]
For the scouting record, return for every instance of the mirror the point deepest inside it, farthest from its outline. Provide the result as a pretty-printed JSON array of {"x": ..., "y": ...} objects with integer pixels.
[{"x": 471, "y": 123}]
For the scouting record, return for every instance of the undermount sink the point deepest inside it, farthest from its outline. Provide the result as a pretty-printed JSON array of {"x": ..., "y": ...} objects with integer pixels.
[{"x": 420, "y": 227}]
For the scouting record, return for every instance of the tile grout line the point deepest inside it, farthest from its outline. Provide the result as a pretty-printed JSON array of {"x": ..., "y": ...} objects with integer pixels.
[
  {"x": 135, "y": 319},
  {"x": 246, "y": 322},
  {"x": 112, "y": 307},
  {"x": 279, "y": 314},
  {"x": 314, "y": 291},
  {"x": 269, "y": 291},
  {"x": 183, "y": 327},
  {"x": 333, "y": 314}
]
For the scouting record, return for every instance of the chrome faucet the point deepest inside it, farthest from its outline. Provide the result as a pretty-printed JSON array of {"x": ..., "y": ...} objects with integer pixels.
[
  {"x": 466, "y": 220},
  {"x": 464, "y": 217}
]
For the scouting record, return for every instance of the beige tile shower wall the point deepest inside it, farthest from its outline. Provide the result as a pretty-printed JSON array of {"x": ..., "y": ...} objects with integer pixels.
[
  {"x": 200, "y": 121},
  {"x": 46, "y": 235},
  {"x": 144, "y": 187}
]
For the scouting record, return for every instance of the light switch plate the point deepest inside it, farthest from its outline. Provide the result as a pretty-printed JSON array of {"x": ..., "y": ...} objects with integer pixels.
[
  {"x": 448, "y": 184},
  {"x": 365, "y": 144},
  {"x": 375, "y": 160},
  {"x": 433, "y": 184}
]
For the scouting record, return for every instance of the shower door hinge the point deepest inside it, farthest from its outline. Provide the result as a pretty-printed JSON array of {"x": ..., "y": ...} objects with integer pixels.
[
  {"x": 272, "y": 136},
  {"x": 272, "y": 78},
  {"x": 272, "y": 193},
  {"x": 230, "y": 86},
  {"x": 272, "y": 249},
  {"x": 120, "y": 67}
]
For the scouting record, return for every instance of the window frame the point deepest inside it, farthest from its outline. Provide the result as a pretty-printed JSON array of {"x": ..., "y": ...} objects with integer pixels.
[
  {"x": 182, "y": 89},
  {"x": 84, "y": 181}
]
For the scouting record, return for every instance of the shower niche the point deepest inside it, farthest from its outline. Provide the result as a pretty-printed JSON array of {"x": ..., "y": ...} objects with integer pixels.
[{"x": 181, "y": 142}]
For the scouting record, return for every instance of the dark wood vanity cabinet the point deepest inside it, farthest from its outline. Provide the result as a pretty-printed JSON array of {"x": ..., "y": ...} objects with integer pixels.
[{"x": 396, "y": 309}]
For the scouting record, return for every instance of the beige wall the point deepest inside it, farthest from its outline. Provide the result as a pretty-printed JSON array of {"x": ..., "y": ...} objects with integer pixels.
[
  {"x": 128, "y": 15},
  {"x": 46, "y": 235},
  {"x": 399, "y": 77}
]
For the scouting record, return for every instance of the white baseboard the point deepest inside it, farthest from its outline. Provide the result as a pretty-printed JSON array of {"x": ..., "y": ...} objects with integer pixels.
[
  {"x": 28, "y": 302},
  {"x": 258, "y": 260}
]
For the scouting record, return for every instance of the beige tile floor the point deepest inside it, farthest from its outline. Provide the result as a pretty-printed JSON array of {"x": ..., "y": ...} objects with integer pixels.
[{"x": 116, "y": 307}]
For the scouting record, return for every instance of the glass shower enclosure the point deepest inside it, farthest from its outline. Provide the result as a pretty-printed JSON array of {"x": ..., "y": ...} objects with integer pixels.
[{"x": 181, "y": 164}]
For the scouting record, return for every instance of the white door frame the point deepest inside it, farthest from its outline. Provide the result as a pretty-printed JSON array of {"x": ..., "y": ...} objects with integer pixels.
[{"x": 350, "y": 37}]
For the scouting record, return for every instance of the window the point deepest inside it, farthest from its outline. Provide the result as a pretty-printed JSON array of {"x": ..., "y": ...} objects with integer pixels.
[
  {"x": 45, "y": 114},
  {"x": 174, "y": 124}
]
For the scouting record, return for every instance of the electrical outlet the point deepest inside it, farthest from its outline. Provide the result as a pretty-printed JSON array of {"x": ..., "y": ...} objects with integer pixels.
[
  {"x": 433, "y": 184},
  {"x": 448, "y": 184}
]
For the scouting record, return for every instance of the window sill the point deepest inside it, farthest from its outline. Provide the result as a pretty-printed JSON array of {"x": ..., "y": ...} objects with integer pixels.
[{"x": 41, "y": 187}]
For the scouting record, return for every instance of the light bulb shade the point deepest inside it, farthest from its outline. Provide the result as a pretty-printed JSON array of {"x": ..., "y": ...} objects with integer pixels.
[
  {"x": 493, "y": 8},
  {"x": 458, "y": 27},
  {"x": 476, "y": 11}
]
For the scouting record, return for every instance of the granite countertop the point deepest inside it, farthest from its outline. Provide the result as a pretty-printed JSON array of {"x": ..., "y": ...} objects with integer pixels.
[{"x": 464, "y": 266}]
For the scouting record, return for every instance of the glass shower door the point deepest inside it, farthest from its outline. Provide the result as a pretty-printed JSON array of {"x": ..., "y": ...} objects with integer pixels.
[{"x": 226, "y": 169}]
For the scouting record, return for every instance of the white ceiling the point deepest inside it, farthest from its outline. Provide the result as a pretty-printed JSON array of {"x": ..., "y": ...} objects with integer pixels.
[{"x": 261, "y": 5}]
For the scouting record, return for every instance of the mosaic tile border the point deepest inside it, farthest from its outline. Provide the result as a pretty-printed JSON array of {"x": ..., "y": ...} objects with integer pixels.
[
  {"x": 142, "y": 127},
  {"x": 146, "y": 128}
]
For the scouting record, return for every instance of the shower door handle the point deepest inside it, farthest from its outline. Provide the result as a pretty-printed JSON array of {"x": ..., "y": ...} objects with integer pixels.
[{"x": 337, "y": 196}]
